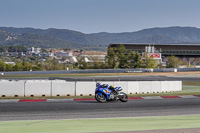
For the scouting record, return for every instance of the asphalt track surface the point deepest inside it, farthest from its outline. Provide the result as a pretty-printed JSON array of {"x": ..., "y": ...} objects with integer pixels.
[{"x": 93, "y": 109}]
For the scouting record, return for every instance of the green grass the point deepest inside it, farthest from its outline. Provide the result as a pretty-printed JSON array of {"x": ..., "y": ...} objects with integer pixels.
[
  {"x": 193, "y": 83},
  {"x": 101, "y": 125}
]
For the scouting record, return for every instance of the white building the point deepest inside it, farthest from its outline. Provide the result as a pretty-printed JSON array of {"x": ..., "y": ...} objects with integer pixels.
[
  {"x": 93, "y": 58},
  {"x": 63, "y": 54},
  {"x": 33, "y": 50},
  {"x": 73, "y": 59},
  {"x": 11, "y": 63}
]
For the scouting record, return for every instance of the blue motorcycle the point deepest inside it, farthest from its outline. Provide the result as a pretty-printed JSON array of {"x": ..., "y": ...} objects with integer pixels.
[{"x": 105, "y": 93}]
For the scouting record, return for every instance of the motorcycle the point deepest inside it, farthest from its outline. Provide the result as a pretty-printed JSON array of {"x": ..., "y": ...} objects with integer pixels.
[{"x": 105, "y": 93}]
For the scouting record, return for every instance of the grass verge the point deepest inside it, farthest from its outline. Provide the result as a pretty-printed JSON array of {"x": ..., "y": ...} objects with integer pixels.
[{"x": 101, "y": 125}]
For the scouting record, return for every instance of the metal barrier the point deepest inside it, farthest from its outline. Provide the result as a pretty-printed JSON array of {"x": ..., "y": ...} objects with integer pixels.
[{"x": 138, "y": 70}]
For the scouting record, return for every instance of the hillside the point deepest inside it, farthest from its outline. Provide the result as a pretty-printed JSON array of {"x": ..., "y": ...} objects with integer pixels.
[
  {"x": 64, "y": 34},
  {"x": 30, "y": 39},
  {"x": 169, "y": 35},
  {"x": 96, "y": 41},
  {"x": 4, "y": 36}
]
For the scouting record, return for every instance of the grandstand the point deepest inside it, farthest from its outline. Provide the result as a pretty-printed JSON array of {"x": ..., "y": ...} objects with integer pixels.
[{"x": 188, "y": 54}]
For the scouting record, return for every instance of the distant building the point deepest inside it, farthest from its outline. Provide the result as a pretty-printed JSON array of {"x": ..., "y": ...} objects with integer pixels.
[
  {"x": 188, "y": 54},
  {"x": 93, "y": 58},
  {"x": 73, "y": 59},
  {"x": 33, "y": 50},
  {"x": 13, "y": 53},
  {"x": 12, "y": 63},
  {"x": 180, "y": 50},
  {"x": 42, "y": 60},
  {"x": 46, "y": 54},
  {"x": 63, "y": 54}
]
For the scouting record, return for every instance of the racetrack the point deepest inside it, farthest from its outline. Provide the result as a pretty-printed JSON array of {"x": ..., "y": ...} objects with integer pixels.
[
  {"x": 48, "y": 116},
  {"x": 92, "y": 109}
]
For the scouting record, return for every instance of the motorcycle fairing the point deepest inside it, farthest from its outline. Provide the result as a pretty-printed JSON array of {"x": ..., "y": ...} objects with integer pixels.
[{"x": 105, "y": 91}]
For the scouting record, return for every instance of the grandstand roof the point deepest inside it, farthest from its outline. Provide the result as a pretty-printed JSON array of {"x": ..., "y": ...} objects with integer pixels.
[{"x": 165, "y": 49}]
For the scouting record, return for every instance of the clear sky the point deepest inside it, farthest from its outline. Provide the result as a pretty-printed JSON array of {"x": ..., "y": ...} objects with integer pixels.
[{"x": 92, "y": 16}]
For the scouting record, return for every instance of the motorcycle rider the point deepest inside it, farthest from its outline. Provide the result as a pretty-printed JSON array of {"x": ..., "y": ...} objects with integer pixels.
[
  {"x": 112, "y": 88},
  {"x": 98, "y": 84},
  {"x": 104, "y": 92}
]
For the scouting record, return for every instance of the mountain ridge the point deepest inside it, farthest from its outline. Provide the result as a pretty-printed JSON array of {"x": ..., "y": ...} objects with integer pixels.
[{"x": 75, "y": 39}]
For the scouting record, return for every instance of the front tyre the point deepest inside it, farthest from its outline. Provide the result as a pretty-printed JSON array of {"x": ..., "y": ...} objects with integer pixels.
[
  {"x": 100, "y": 98},
  {"x": 123, "y": 97}
]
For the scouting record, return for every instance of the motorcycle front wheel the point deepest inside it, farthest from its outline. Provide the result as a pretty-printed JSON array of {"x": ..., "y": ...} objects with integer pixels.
[
  {"x": 124, "y": 97},
  {"x": 100, "y": 98}
]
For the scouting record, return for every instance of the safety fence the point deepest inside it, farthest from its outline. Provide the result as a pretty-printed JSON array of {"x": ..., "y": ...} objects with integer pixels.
[
  {"x": 51, "y": 88},
  {"x": 139, "y": 70}
]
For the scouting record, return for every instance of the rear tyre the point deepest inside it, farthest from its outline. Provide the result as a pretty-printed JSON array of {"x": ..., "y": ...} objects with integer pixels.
[
  {"x": 124, "y": 97},
  {"x": 100, "y": 98}
]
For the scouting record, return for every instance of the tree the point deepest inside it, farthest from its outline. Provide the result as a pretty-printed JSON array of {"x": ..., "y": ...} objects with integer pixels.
[
  {"x": 122, "y": 58},
  {"x": 111, "y": 58},
  {"x": 9, "y": 67},
  {"x": 44, "y": 51},
  {"x": 2, "y": 65},
  {"x": 36, "y": 68},
  {"x": 49, "y": 64},
  {"x": 18, "y": 61},
  {"x": 135, "y": 59},
  {"x": 149, "y": 62},
  {"x": 172, "y": 62},
  {"x": 82, "y": 63},
  {"x": 18, "y": 67},
  {"x": 96, "y": 61},
  {"x": 17, "y": 48},
  {"x": 26, "y": 66}
]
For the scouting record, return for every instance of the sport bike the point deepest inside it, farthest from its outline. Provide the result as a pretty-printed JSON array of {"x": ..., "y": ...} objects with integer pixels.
[{"x": 105, "y": 93}]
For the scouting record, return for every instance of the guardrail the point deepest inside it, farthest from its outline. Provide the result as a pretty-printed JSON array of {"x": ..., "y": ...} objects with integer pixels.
[
  {"x": 44, "y": 88},
  {"x": 139, "y": 70}
]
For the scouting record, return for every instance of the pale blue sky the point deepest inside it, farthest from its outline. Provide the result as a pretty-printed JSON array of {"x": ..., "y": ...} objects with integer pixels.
[{"x": 92, "y": 16}]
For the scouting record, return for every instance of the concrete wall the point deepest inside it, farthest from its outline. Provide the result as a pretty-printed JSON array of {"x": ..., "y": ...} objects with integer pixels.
[
  {"x": 171, "y": 86},
  {"x": 80, "y": 88},
  {"x": 11, "y": 88},
  {"x": 85, "y": 88},
  {"x": 178, "y": 86},
  {"x": 38, "y": 88},
  {"x": 63, "y": 88},
  {"x": 156, "y": 86},
  {"x": 145, "y": 87},
  {"x": 133, "y": 87},
  {"x": 165, "y": 86}
]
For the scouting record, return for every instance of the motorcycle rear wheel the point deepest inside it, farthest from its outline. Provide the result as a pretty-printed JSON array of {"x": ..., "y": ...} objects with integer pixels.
[
  {"x": 101, "y": 99},
  {"x": 124, "y": 98}
]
